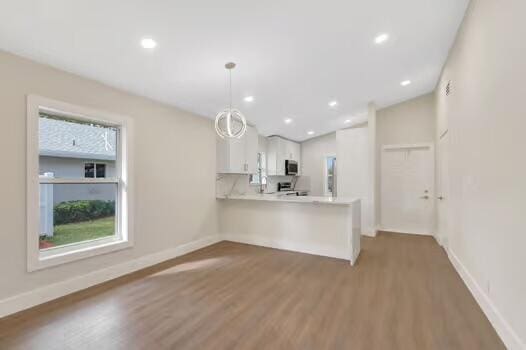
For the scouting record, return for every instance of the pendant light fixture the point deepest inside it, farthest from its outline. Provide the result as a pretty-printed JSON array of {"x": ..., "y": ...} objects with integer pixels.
[{"x": 230, "y": 123}]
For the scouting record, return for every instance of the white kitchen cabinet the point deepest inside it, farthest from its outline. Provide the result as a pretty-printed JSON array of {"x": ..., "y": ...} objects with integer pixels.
[
  {"x": 238, "y": 156},
  {"x": 251, "y": 150},
  {"x": 272, "y": 153},
  {"x": 279, "y": 150},
  {"x": 294, "y": 151}
]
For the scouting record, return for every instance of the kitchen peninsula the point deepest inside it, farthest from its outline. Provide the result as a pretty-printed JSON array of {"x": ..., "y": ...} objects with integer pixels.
[{"x": 316, "y": 225}]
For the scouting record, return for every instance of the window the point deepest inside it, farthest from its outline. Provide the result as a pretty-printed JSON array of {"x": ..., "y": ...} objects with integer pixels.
[
  {"x": 330, "y": 176},
  {"x": 79, "y": 190},
  {"x": 262, "y": 169},
  {"x": 95, "y": 170}
]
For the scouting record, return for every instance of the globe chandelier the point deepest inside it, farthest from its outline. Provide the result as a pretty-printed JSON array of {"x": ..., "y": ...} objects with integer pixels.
[{"x": 230, "y": 122}]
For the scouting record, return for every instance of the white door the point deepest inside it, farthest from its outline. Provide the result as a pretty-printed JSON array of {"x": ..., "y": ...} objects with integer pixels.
[
  {"x": 407, "y": 189},
  {"x": 443, "y": 191}
]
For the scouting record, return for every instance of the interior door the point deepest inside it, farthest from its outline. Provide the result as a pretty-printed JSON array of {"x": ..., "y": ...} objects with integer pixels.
[
  {"x": 443, "y": 191},
  {"x": 407, "y": 189}
]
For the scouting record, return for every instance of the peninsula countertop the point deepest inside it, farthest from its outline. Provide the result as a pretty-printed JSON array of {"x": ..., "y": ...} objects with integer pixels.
[{"x": 274, "y": 197}]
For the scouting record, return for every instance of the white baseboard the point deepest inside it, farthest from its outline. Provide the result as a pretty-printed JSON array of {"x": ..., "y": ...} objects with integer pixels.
[
  {"x": 287, "y": 245},
  {"x": 369, "y": 234},
  {"x": 53, "y": 291},
  {"x": 509, "y": 337},
  {"x": 406, "y": 232}
]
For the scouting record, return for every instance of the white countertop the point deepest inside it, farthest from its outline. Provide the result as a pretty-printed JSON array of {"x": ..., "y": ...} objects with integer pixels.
[{"x": 292, "y": 199}]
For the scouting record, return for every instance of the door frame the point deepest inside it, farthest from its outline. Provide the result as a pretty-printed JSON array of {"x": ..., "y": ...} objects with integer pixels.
[
  {"x": 441, "y": 236},
  {"x": 326, "y": 192},
  {"x": 408, "y": 146}
]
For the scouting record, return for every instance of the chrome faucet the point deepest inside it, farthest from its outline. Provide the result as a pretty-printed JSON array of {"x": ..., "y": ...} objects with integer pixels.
[{"x": 262, "y": 186}]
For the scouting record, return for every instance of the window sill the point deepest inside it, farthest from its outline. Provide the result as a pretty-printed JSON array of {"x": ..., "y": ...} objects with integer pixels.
[{"x": 61, "y": 255}]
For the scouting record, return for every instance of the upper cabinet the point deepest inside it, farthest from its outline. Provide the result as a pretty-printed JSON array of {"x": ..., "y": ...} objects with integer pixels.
[
  {"x": 251, "y": 150},
  {"x": 279, "y": 150},
  {"x": 292, "y": 150},
  {"x": 238, "y": 156}
]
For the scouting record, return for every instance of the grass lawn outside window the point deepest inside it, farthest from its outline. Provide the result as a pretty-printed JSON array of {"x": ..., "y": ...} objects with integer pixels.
[{"x": 79, "y": 232}]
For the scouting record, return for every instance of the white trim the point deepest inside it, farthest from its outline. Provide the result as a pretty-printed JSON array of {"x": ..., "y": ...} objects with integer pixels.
[
  {"x": 53, "y": 291},
  {"x": 326, "y": 175},
  {"x": 370, "y": 234},
  {"x": 508, "y": 336},
  {"x": 409, "y": 146},
  {"x": 77, "y": 155},
  {"x": 80, "y": 180},
  {"x": 406, "y": 232},
  {"x": 65, "y": 254},
  {"x": 124, "y": 207}
]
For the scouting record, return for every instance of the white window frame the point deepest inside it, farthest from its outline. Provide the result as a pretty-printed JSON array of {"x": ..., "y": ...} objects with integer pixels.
[
  {"x": 326, "y": 191},
  {"x": 39, "y": 259},
  {"x": 254, "y": 178},
  {"x": 95, "y": 170}
]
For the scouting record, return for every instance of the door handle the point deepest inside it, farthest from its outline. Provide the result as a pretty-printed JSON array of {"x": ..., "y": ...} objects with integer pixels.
[
  {"x": 424, "y": 197},
  {"x": 440, "y": 198}
]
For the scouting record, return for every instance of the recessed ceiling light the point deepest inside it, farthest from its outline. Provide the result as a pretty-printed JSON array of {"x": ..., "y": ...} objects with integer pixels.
[
  {"x": 347, "y": 121},
  {"x": 249, "y": 98},
  {"x": 288, "y": 121},
  {"x": 310, "y": 132},
  {"x": 405, "y": 82},
  {"x": 148, "y": 43},
  {"x": 381, "y": 38},
  {"x": 333, "y": 104}
]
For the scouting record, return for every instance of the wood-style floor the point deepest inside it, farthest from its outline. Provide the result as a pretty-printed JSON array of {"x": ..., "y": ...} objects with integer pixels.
[{"x": 403, "y": 294}]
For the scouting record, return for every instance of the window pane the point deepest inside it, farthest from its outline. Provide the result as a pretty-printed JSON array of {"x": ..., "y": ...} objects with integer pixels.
[
  {"x": 330, "y": 173},
  {"x": 73, "y": 213},
  {"x": 70, "y": 149},
  {"x": 330, "y": 165},
  {"x": 89, "y": 170},
  {"x": 101, "y": 170}
]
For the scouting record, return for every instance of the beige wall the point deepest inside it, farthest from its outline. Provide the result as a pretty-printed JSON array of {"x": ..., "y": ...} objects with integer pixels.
[
  {"x": 412, "y": 121},
  {"x": 174, "y": 171},
  {"x": 353, "y": 171},
  {"x": 313, "y": 152},
  {"x": 409, "y": 122},
  {"x": 486, "y": 118}
]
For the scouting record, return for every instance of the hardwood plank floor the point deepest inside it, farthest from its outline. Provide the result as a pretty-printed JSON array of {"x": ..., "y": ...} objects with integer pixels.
[{"x": 403, "y": 294}]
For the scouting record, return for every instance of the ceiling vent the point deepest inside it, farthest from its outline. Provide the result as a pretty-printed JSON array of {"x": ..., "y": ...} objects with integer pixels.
[{"x": 448, "y": 88}]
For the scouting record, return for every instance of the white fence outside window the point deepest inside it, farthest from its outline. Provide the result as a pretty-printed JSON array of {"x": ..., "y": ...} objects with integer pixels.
[{"x": 46, "y": 206}]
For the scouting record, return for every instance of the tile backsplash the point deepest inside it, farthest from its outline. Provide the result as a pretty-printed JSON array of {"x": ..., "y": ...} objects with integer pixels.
[{"x": 236, "y": 184}]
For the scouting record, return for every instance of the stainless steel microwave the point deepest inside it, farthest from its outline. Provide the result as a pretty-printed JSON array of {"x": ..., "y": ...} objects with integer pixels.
[{"x": 291, "y": 167}]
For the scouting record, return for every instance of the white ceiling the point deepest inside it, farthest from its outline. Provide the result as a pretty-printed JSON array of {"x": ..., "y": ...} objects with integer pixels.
[{"x": 293, "y": 56}]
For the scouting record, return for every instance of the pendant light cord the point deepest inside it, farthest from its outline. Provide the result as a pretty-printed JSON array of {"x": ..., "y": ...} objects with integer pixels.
[{"x": 230, "y": 75}]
